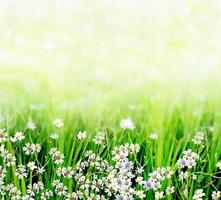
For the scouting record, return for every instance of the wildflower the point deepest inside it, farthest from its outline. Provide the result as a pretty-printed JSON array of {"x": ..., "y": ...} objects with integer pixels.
[
  {"x": 54, "y": 136},
  {"x": 198, "y": 195},
  {"x": 31, "y": 165},
  {"x": 153, "y": 136},
  {"x": 29, "y": 148},
  {"x": 46, "y": 194},
  {"x": 81, "y": 135},
  {"x": 99, "y": 138},
  {"x": 198, "y": 138},
  {"x": 194, "y": 176},
  {"x": 2, "y": 172},
  {"x": 140, "y": 194},
  {"x": 159, "y": 195},
  {"x": 127, "y": 124},
  {"x": 27, "y": 197},
  {"x": 170, "y": 190},
  {"x": 3, "y": 135},
  {"x": 216, "y": 195},
  {"x": 10, "y": 160},
  {"x": 183, "y": 175},
  {"x": 61, "y": 189},
  {"x": 21, "y": 172},
  {"x": 218, "y": 165},
  {"x": 40, "y": 170},
  {"x": 14, "y": 193},
  {"x": 31, "y": 125},
  {"x": 19, "y": 136},
  {"x": 56, "y": 156},
  {"x": 58, "y": 123}
]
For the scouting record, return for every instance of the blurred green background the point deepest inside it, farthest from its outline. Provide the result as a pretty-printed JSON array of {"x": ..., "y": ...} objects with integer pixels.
[{"x": 109, "y": 56}]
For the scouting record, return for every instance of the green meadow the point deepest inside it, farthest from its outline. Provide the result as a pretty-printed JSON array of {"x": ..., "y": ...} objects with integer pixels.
[{"x": 110, "y": 100}]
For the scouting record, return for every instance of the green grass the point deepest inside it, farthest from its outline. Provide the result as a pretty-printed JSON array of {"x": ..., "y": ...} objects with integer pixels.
[
  {"x": 94, "y": 63},
  {"x": 175, "y": 118}
]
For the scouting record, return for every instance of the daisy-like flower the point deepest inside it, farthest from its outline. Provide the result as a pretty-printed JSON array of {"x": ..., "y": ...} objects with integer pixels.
[
  {"x": 218, "y": 165},
  {"x": 216, "y": 195},
  {"x": 10, "y": 160},
  {"x": 19, "y": 136},
  {"x": 198, "y": 138},
  {"x": 29, "y": 148},
  {"x": 99, "y": 138},
  {"x": 159, "y": 195},
  {"x": 127, "y": 124},
  {"x": 140, "y": 194},
  {"x": 27, "y": 197},
  {"x": 54, "y": 136},
  {"x": 198, "y": 195},
  {"x": 46, "y": 194},
  {"x": 31, "y": 165},
  {"x": 56, "y": 155},
  {"x": 153, "y": 136},
  {"x": 170, "y": 190},
  {"x": 2, "y": 172},
  {"x": 21, "y": 172},
  {"x": 183, "y": 175},
  {"x": 31, "y": 125},
  {"x": 40, "y": 170},
  {"x": 3, "y": 135},
  {"x": 58, "y": 123},
  {"x": 81, "y": 135},
  {"x": 14, "y": 193}
]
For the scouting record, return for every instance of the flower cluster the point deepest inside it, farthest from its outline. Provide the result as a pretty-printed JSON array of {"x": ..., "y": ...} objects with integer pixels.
[{"x": 118, "y": 175}]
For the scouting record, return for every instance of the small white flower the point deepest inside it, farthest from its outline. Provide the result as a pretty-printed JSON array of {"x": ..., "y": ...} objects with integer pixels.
[
  {"x": 31, "y": 165},
  {"x": 153, "y": 136},
  {"x": 99, "y": 138},
  {"x": 198, "y": 138},
  {"x": 54, "y": 136},
  {"x": 216, "y": 195},
  {"x": 31, "y": 125},
  {"x": 81, "y": 135},
  {"x": 198, "y": 195},
  {"x": 158, "y": 195},
  {"x": 58, "y": 123},
  {"x": 19, "y": 136},
  {"x": 218, "y": 165},
  {"x": 127, "y": 124},
  {"x": 3, "y": 135},
  {"x": 170, "y": 190}
]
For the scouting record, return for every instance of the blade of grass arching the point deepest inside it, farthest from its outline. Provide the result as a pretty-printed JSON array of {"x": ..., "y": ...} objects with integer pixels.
[
  {"x": 70, "y": 156},
  {"x": 76, "y": 153}
]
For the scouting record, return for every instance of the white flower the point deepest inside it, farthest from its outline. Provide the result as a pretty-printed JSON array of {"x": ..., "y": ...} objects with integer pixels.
[
  {"x": 153, "y": 136},
  {"x": 3, "y": 135},
  {"x": 216, "y": 195},
  {"x": 21, "y": 172},
  {"x": 170, "y": 190},
  {"x": 81, "y": 135},
  {"x": 99, "y": 138},
  {"x": 10, "y": 160},
  {"x": 31, "y": 125},
  {"x": 40, "y": 170},
  {"x": 58, "y": 123},
  {"x": 198, "y": 138},
  {"x": 54, "y": 136},
  {"x": 218, "y": 165},
  {"x": 19, "y": 136},
  {"x": 31, "y": 165},
  {"x": 127, "y": 124},
  {"x": 199, "y": 194},
  {"x": 158, "y": 195}
]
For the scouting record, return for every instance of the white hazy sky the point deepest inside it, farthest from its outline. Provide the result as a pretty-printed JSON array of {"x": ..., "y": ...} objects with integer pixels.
[{"x": 136, "y": 39}]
